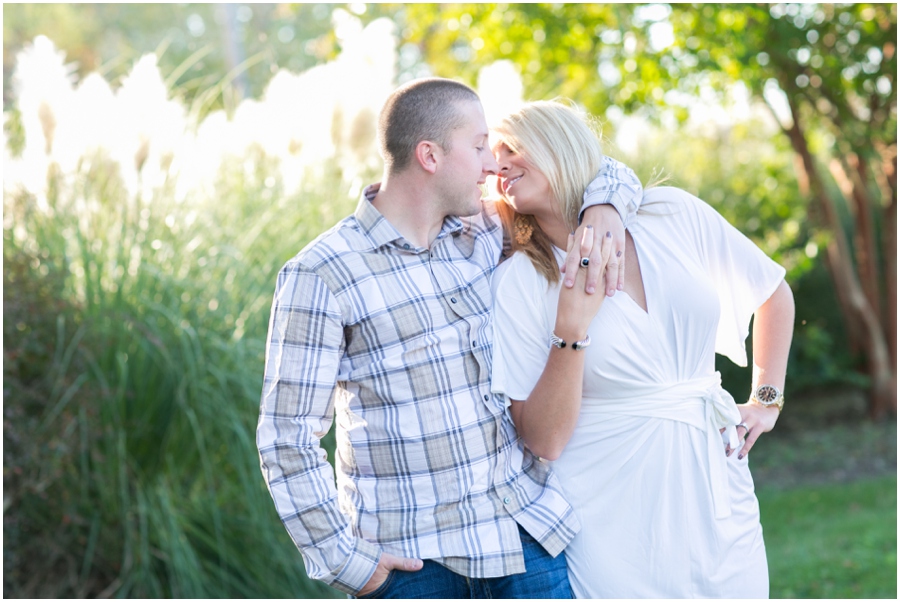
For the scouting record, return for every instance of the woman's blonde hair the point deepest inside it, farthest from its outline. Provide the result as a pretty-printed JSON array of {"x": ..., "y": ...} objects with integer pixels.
[{"x": 563, "y": 145}]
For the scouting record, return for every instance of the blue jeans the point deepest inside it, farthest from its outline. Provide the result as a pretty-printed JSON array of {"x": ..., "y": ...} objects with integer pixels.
[{"x": 544, "y": 577}]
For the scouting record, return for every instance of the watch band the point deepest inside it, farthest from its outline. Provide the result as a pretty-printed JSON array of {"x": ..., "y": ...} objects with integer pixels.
[{"x": 557, "y": 342}]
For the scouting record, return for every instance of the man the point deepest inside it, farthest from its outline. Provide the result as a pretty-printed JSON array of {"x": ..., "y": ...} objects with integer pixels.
[{"x": 383, "y": 324}]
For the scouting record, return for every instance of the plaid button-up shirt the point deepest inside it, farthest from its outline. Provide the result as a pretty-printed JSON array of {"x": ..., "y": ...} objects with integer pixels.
[{"x": 393, "y": 341}]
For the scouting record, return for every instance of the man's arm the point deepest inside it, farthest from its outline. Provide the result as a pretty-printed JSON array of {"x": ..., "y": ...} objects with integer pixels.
[
  {"x": 304, "y": 349},
  {"x": 611, "y": 198},
  {"x": 616, "y": 184}
]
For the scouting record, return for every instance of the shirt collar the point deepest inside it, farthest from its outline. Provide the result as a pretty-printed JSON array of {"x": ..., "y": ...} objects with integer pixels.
[{"x": 381, "y": 232}]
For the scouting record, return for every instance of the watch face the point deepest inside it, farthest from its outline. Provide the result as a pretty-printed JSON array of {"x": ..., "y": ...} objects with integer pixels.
[{"x": 767, "y": 394}]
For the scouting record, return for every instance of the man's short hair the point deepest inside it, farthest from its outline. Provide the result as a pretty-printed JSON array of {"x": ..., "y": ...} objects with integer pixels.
[{"x": 424, "y": 109}]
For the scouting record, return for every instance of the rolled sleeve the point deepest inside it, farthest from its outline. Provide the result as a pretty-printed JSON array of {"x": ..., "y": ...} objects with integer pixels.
[
  {"x": 616, "y": 184},
  {"x": 304, "y": 349}
]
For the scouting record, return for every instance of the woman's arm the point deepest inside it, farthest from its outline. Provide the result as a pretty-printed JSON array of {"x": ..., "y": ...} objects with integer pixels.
[
  {"x": 546, "y": 420},
  {"x": 773, "y": 328}
]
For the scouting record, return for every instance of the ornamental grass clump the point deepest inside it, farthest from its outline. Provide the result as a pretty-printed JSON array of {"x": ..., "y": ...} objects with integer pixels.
[{"x": 135, "y": 314}]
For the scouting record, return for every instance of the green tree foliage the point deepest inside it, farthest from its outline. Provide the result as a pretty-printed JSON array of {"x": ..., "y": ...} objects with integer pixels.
[{"x": 835, "y": 67}]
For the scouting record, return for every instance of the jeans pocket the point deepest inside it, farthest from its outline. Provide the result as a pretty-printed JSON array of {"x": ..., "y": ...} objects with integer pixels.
[{"x": 379, "y": 591}]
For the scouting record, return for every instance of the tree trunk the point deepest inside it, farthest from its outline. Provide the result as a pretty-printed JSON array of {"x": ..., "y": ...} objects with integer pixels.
[
  {"x": 890, "y": 268},
  {"x": 890, "y": 250},
  {"x": 865, "y": 238},
  {"x": 858, "y": 311}
]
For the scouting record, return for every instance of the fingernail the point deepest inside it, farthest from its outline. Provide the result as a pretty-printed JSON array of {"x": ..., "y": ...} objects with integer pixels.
[
  {"x": 590, "y": 290},
  {"x": 609, "y": 235},
  {"x": 621, "y": 287},
  {"x": 618, "y": 253},
  {"x": 740, "y": 456},
  {"x": 589, "y": 227}
]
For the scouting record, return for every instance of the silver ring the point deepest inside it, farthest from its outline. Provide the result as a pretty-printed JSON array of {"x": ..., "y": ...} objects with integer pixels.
[
  {"x": 585, "y": 261},
  {"x": 746, "y": 428}
]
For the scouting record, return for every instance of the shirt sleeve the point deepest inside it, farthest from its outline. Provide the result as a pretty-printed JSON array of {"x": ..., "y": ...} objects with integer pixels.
[
  {"x": 304, "y": 348},
  {"x": 744, "y": 276},
  {"x": 521, "y": 330},
  {"x": 615, "y": 184}
]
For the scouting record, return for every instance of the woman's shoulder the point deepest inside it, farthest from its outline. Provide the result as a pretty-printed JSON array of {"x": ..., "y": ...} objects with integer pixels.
[
  {"x": 518, "y": 272},
  {"x": 669, "y": 194},
  {"x": 678, "y": 204}
]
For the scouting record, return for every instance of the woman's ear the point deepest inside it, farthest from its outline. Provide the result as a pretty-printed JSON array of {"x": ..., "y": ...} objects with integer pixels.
[{"x": 428, "y": 154}]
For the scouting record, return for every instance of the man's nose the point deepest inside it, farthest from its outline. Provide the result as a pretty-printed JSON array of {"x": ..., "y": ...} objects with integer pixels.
[{"x": 491, "y": 166}]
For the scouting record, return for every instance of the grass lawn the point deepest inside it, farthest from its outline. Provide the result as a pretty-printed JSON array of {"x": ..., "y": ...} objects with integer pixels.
[{"x": 832, "y": 541}]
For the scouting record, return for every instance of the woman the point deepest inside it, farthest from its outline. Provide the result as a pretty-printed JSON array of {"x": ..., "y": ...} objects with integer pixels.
[{"x": 650, "y": 449}]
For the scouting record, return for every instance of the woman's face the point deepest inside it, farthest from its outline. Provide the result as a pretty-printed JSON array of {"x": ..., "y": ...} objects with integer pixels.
[{"x": 523, "y": 185}]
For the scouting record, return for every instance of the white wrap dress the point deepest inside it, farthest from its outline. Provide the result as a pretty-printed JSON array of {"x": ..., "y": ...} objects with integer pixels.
[{"x": 664, "y": 513}]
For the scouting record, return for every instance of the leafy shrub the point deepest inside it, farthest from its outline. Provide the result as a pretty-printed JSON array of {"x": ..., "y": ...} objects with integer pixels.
[{"x": 133, "y": 347}]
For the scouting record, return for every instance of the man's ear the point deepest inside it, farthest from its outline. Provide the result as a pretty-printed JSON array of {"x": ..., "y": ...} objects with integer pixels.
[{"x": 428, "y": 154}]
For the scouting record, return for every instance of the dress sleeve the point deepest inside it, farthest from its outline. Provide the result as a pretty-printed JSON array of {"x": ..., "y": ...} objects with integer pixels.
[
  {"x": 303, "y": 353},
  {"x": 615, "y": 184},
  {"x": 744, "y": 276},
  {"x": 521, "y": 331}
]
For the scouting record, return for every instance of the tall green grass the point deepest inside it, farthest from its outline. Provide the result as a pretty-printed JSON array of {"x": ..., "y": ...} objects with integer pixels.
[{"x": 133, "y": 344}]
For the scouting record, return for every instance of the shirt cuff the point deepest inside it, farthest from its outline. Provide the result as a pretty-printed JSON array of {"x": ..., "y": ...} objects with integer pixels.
[{"x": 359, "y": 568}]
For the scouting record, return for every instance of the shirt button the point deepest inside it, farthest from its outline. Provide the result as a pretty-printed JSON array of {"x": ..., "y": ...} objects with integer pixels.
[
  {"x": 474, "y": 343},
  {"x": 486, "y": 397},
  {"x": 406, "y": 246},
  {"x": 452, "y": 299},
  {"x": 506, "y": 500}
]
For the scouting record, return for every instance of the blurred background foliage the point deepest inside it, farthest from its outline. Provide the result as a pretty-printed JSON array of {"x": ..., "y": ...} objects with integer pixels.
[
  {"x": 138, "y": 271},
  {"x": 199, "y": 46}
]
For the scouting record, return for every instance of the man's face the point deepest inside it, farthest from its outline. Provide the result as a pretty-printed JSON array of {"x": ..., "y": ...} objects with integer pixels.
[{"x": 468, "y": 163}]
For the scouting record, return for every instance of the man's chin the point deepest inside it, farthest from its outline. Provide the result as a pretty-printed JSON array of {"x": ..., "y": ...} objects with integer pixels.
[{"x": 473, "y": 208}]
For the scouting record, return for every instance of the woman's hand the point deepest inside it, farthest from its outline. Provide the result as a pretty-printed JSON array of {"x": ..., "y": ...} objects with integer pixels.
[
  {"x": 577, "y": 308},
  {"x": 600, "y": 220},
  {"x": 758, "y": 420}
]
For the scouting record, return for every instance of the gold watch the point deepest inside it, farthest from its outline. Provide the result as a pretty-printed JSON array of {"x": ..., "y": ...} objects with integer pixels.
[{"x": 768, "y": 396}]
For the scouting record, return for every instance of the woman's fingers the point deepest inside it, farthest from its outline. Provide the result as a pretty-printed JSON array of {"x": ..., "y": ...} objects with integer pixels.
[
  {"x": 598, "y": 257},
  {"x": 571, "y": 264},
  {"x": 611, "y": 262},
  {"x": 757, "y": 420},
  {"x": 583, "y": 248},
  {"x": 587, "y": 241},
  {"x": 620, "y": 259},
  {"x": 589, "y": 258},
  {"x": 752, "y": 436}
]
